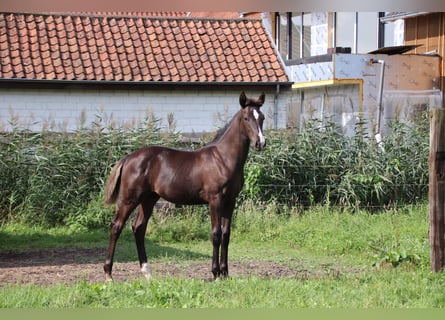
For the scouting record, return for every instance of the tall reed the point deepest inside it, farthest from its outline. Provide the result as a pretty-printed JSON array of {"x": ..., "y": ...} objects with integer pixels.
[
  {"x": 57, "y": 178},
  {"x": 48, "y": 177},
  {"x": 320, "y": 165}
]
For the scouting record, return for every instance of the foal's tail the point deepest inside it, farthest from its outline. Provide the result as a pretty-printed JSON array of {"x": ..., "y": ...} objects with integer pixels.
[{"x": 113, "y": 183}]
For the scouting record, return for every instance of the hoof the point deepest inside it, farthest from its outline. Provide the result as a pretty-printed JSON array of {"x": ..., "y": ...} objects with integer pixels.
[
  {"x": 145, "y": 269},
  {"x": 108, "y": 278}
]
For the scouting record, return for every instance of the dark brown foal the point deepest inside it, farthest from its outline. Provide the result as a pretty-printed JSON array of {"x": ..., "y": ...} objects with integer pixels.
[{"x": 213, "y": 174}]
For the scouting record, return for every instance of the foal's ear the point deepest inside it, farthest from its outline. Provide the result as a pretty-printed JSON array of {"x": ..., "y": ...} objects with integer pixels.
[
  {"x": 242, "y": 99},
  {"x": 261, "y": 99}
]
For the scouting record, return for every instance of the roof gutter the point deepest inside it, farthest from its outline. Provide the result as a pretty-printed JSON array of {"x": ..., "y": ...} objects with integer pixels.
[
  {"x": 275, "y": 107},
  {"x": 391, "y": 17},
  {"x": 139, "y": 83}
]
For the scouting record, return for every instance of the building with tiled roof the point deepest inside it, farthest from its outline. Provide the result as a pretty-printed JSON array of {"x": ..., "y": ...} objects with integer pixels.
[
  {"x": 76, "y": 48},
  {"x": 75, "y": 57}
]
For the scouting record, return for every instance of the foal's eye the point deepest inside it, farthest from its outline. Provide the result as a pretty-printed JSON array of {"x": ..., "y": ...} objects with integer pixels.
[{"x": 245, "y": 118}]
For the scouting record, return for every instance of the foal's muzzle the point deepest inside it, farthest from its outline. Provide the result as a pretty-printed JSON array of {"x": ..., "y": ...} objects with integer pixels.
[{"x": 260, "y": 144}]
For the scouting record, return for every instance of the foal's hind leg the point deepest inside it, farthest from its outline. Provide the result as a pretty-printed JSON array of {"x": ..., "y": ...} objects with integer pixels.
[
  {"x": 117, "y": 225},
  {"x": 139, "y": 230},
  {"x": 226, "y": 221}
]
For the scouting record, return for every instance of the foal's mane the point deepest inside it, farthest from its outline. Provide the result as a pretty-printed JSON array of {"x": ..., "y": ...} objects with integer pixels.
[{"x": 220, "y": 132}]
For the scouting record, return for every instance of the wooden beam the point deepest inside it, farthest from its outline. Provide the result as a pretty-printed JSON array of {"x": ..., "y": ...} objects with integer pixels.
[{"x": 437, "y": 189}]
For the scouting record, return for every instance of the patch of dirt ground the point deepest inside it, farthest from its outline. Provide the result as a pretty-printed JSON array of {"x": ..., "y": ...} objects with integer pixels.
[{"x": 52, "y": 266}]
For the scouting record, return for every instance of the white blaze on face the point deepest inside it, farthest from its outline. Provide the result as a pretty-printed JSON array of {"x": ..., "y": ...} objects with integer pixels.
[{"x": 260, "y": 133}]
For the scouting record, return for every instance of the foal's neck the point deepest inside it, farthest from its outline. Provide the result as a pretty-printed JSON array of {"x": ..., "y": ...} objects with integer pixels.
[{"x": 234, "y": 144}]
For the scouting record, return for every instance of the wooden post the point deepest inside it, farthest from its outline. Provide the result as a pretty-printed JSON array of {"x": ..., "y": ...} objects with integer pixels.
[{"x": 437, "y": 189}]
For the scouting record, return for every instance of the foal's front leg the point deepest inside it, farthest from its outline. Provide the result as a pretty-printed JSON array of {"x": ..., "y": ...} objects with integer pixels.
[
  {"x": 215, "y": 219},
  {"x": 216, "y": 241},
  {"x": 225, "y": 239}
]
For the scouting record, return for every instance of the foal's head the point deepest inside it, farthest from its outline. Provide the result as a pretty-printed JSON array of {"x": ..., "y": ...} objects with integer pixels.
[{"x": 253, "y": 120}]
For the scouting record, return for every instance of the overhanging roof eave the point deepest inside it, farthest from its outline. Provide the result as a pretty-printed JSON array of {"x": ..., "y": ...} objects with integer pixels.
[{"x": 142, "y": 83}]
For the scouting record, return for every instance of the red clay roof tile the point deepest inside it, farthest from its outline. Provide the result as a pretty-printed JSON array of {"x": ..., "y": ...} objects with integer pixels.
[{"x": 136, "y": 47}]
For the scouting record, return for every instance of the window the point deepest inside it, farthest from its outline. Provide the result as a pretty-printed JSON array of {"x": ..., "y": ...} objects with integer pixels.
[
  {"x": 302, "y": 35},
  {"x": 306, "y": 34},
  {"x": 357, "y": 30},
  {"x": 317, "y": 23},
  {"x": 346, "y": 26},
  {"x": 394, "y": 33},
  {"x": 367, "y": 31},
  {"x": 296, "y": 43},
  {"x": 282, "y": 34}
]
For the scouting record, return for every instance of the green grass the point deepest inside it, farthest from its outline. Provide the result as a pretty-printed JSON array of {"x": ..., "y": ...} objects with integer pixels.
[
  {"x": 363, "y": 261},
  {"x": 388, "y": 290}
]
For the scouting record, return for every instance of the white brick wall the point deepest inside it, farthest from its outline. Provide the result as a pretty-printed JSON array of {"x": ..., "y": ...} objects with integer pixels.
[{"x": 63, "y": 109}]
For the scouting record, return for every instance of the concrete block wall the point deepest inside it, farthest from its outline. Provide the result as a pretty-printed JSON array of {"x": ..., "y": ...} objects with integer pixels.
[
  {"x": 193, "y": 111},
  {"x": 337, "y": 103}
]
